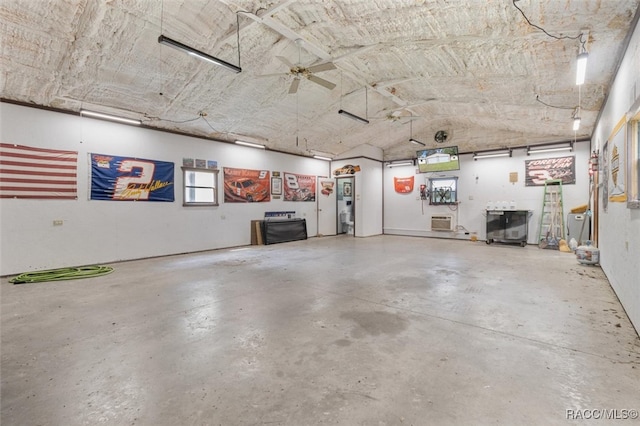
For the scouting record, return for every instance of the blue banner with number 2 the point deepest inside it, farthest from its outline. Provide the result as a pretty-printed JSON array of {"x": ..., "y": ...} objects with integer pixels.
[{"x": 131, "y": 179}]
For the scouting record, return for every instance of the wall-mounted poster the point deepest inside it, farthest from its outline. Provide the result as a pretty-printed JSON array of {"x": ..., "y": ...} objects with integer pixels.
[
  {"x": 537, "y": 172},
  {"x": 403, "y": 185},
  {"x": 346, "y": 189},
  {"x": 28, "y": 172},
  {"x": 616, "y": 178},
  {"x": 131, "y": 179},
  {"x": 299, "y": 187},
  {"x": 605, "y": 176},
  {"x": 246, "y": 186},
  {"x": 327, "y": 186}
]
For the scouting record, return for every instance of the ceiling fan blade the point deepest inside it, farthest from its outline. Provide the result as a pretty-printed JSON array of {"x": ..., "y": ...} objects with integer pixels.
[
  {"x": 322, "y": 67},
  {"x": 285, "y": 61},
  {"x": 294, "y": 86},
  {"x": 280, "y": 74},
  {"x": 321, "y": 81}
]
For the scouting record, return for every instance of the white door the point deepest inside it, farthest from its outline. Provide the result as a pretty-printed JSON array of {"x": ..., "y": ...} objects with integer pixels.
[{"x": 327, "y": 219}]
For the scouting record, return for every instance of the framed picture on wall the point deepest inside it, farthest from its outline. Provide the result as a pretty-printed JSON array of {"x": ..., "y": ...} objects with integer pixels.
[
  {"x": 346, "y": 189},
  {"x": 276, "y": 186}
]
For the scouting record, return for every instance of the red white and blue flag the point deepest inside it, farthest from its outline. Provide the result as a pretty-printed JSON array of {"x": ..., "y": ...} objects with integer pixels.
[{"x": 28, "y": 172}]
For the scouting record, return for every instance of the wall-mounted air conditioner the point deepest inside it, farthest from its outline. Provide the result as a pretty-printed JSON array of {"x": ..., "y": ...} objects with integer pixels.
[{"x": 441, "y": 223}]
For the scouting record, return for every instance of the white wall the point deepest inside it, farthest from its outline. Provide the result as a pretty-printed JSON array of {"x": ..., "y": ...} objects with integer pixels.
[
  {"x": 105, "y": 231},
  {"x": 479, "y": 182},
  {"x": 619, "y": 231}
]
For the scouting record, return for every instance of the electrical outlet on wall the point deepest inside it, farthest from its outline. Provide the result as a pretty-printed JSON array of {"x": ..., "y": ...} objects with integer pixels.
[{"x": 58, "y": 222}]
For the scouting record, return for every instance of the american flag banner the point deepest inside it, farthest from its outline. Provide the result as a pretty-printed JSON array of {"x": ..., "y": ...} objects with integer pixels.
[{"x": 28, "y": 172}]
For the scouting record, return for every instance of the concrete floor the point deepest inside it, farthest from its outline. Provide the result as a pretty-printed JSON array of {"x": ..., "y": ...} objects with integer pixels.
[{"x": 384, "y": 330}]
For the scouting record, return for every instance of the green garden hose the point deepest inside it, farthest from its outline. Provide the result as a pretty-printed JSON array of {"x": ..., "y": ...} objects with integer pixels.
[{"x": 61, "y": 274}]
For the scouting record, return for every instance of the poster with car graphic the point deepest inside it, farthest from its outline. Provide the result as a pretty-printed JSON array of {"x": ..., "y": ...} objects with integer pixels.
[
  {"x": 299, "y": 187},
  {"x": 246, "y": 186}
]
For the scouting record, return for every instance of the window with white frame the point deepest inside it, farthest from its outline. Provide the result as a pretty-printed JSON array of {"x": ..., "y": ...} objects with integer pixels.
[{"x": 200, "y": 187}]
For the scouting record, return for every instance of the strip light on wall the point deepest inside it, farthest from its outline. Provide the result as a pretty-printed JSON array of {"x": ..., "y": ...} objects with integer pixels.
[
  {"x": 109, "y": 117},
  {"x": 198, "y": 54},
  {"x": 251, "y": 144},
  {"x": 416, "y": 142},
  {"x": 549, "y": 148},
  {"x": 319, "y": 157},
  {"x": 491, "y": 154},
  {"x": 400, "y": 163},
  {"x": 353, "y": 116}
]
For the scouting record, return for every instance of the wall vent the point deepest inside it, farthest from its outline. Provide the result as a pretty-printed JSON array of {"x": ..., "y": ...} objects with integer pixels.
[{"x": 441, "y": 223}]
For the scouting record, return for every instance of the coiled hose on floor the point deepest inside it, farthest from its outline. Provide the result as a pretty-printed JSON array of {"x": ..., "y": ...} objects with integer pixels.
[{"x": 61, "y": 274}]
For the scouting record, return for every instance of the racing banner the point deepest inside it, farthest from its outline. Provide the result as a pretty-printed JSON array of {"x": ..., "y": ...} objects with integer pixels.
[
  {"x": 299, "y": 187},
  {"x": 403, "y": 185},
  {"x": 246, "y": 186},
  {"x": 539, "y": 171},
  {"x": 131, "y": 179}
]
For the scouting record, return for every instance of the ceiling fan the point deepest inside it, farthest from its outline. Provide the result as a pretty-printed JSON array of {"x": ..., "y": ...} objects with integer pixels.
[
  {"x": 298, "y": 72},
  {"x": 398, "y": 116}
]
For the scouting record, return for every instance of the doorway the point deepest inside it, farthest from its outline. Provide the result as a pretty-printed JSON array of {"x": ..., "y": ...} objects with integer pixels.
[{"x": 345, "y": 205}]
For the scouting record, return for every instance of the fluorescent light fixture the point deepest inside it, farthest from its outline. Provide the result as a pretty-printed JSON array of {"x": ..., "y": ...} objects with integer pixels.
[
  {"x": 353, "y": 116},
  {"x": 581, "y": 68},
  {"x": 491, "y": 154},
  {"x": 319, "y": 157},
  {"x": 110, "y": 117},
  {"x": 198, "y": 54},
  {"x": 416, "y": 142},
  {"x": 576, "y": 123},
  {"x": 400, "y": 163},
  {"x": 250, "y": 144},
  {"x": 549, "y": 148}
]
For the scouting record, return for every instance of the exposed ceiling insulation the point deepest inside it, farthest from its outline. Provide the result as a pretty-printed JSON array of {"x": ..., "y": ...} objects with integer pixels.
[{"x": 474, "y": 68}]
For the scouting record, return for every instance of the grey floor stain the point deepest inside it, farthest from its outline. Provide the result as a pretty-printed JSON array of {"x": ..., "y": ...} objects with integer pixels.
[{"x": 376, "y": 323}]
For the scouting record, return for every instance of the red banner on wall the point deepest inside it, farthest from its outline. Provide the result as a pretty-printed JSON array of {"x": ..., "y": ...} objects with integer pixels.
[
  {"x": 246, "y": 186},
  {"x": 28, "y": 172},
  {"x": 403, "y": 185}
]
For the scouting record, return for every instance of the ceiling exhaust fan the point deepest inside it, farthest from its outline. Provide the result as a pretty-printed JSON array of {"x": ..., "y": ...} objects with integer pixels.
[{"x": 298, "y": 72}]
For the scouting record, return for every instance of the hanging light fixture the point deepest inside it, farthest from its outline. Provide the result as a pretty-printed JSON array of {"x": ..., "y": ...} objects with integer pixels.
[
  {"x": 581, "y": 68},
  {"x": 251, "y": 144},
  {"x": 353, "y": 116},
  {"x": 576, "y": 123},
  {"x": 109, "y": 117},
  {"x": 198, "y": 54}
]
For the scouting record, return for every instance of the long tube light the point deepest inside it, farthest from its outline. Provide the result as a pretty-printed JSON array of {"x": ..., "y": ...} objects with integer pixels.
[
  {"x": 110, "y": 117},
  {"x": 319, "y": 157},
  {"x": 251, "y": 144},
  {"x": 581, "y": 68},
  {"x": 536, "y": 150},
  {"x": 353, "y": 116},
  {"x": 416, "y": 142},
  {"x": 198, "y": 54},
  {"x": 401, "y": 163},
  {"x": 493, "y": 154}
]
